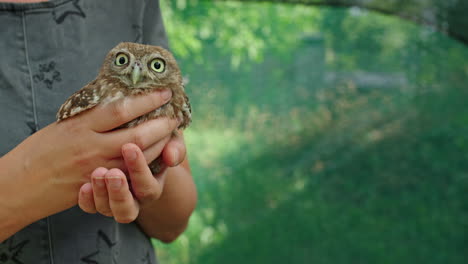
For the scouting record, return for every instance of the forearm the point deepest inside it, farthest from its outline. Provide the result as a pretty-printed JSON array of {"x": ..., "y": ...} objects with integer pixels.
[
  {"x": 14, "y": 198},
  {"x": 166, "y": 218},
  {"x": 9, "y": 221},
  {"x": 28, "y": 190}
]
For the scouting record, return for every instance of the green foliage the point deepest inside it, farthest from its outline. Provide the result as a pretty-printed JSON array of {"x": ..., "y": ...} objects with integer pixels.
[
  {"x": 243, "y": 33},
  {"x": 300, "y": 157}
]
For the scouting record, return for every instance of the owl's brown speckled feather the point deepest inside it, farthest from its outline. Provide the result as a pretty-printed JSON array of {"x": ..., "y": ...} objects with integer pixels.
[{"x": 134, "y": 69}]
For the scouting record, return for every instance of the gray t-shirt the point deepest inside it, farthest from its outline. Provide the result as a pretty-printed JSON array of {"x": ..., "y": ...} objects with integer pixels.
[{"x": 48, "y": 51}]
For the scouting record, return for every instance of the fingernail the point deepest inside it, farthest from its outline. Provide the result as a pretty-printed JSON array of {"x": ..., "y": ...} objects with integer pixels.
[
  {"x": 99, "y": 182},
  {"x": 114, "y": 183},
  {"x": 130, "y": 154},
  {"x": 166, "y": 94}
]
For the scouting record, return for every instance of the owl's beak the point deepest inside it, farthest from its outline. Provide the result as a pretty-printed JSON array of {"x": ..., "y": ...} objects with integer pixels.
[{"x": 136, "y": 73}]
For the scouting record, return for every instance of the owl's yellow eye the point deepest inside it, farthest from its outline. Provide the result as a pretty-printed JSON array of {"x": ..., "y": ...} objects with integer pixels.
[
  {"x": 157, "y": 65},
  {"x": 121, "y": 59}
]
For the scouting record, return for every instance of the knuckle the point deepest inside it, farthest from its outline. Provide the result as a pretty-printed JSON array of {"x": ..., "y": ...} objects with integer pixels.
[
  {"x": 168, "y": 124},
  {"x": 119, "y": 198},
  {"x": 82, "y": 158},
  {"x": 138, "y": 139},
  {"x": 125, "y": 219},
  {"x": 174, "y": 124},
  {"x": 147, "y": 194},
  {"x": 106, "y": 212},
  {"x": 157, "y": 100},
  {"x": 136, "y": 170},
  {"x": 182, "y": 152},
  {"x": 101, "y": 194},
  {"x": 89, "y": 211},
  {"x": 120, "y": 111},
  {"x": 87, "y": 208}
]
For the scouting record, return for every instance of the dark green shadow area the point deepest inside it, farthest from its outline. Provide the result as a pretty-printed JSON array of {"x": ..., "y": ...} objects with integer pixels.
[{"x": 321, "y": 135}]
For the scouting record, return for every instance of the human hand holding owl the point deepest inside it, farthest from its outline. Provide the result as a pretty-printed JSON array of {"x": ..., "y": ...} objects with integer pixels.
[
  {"x": 133, "y": 69},
  {"x": 111, "y": 194},
  {"x": 55, "y": 162},
  {"x": 42, "y": 175}
]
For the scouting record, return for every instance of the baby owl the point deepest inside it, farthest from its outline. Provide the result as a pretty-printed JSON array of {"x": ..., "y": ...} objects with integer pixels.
[{"x": 134, "y": 69}]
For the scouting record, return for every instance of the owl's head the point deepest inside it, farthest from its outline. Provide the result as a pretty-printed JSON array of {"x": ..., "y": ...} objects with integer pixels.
[{"x": 142, "y": 66}]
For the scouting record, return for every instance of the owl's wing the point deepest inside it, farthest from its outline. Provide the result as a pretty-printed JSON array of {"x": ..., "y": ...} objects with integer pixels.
[
  {"x": 186, "y": 113},
  {"x": 187, "y": 106},
  {"x": 84, "y": 99}
]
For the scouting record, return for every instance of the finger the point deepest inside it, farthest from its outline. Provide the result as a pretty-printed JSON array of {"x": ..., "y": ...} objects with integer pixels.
[
  {"x": 100, "y": 195},
  {"x": 143, "y": 135},
  {"x": 145, "y": 187},
  {"x": 108, "y": 116},
  {"x": 154, "y": 151},
  {"x": 86, "y": 199},
  {"x": 124, "y": 207},
  {"x": 175, "y": 151}
]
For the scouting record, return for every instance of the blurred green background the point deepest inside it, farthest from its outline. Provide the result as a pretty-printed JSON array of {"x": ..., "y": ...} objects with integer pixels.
[{"x": 322, "y": 135}]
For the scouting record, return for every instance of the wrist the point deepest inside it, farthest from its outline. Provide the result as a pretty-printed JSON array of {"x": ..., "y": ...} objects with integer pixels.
[
  {"x": 166, "y": 218},
  {"x": 10, "y": 202},
  {"x": 25, "y": 194}
]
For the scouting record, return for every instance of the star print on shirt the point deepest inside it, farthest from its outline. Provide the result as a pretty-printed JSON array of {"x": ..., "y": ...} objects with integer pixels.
[
  {"x": 63, "y": 11},
  {"x": 10, "y": 252},
  {"x": 104, "y": 249},
  {"x": 47, "y": 74}
]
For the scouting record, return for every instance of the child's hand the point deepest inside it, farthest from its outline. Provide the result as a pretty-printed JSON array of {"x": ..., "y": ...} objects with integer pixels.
[{"x": 109, "y": 192}]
